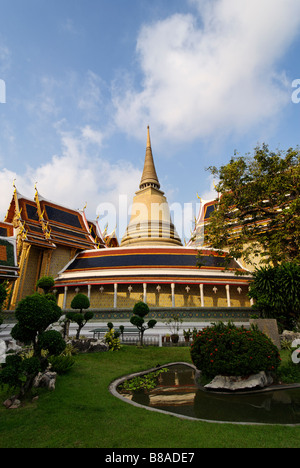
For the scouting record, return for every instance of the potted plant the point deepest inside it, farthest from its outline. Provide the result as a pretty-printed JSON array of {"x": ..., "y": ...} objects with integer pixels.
[
  {"x": 174, "y": 324},
  {"x": 175, "y": 338},
  {"x": 187, "y": 334},
  {"x": 168, "y": 338}
]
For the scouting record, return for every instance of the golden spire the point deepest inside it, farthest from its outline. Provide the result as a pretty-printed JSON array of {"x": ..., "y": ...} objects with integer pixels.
[
  {"x": 149, "y": 176},
  {"x": 45, "y": 226},
  {"x": 150, "y": 222}
]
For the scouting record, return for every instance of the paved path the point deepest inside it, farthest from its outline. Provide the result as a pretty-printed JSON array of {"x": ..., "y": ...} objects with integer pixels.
[{"x": 159, "y": 329}]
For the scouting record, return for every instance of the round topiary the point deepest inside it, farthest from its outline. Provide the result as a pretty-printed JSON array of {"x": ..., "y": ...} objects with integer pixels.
[
  {"x": 80, "y": 301},
  {"x": 46, "y": 283},
  {"x": 141, "y": 309},
  {"x": 36, "y": 312},
  {"x": 52, "y": 341},
  {"x": 229, "y": 350}
]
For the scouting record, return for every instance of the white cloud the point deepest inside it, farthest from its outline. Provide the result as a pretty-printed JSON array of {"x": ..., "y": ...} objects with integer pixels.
[
  {"x": 5, "y": 57},
  {"x": 212, "y": 72},
  {"x": 90, "y": 95},
  {"x": 94, "y": 136},
  {"x": 77, "y": 176}
]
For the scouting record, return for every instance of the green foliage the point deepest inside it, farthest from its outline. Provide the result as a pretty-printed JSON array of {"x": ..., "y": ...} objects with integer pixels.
[
  {"x": 152, "y": 323},
  {"x": 46, "y": 283},
  {"x": 140, "y": 310},
  {"x": 51, "y": 341},
  {"x": 81, "y": 320},
  {"x": 113, "y": 340},
  {"x": 80, "y": 301},
  {"x": 62, "y": 363},
  {"x": 230, "y": 350},
  {"x": 3, "y": 295},
  {"x": 276, "y": 291},
  {"x": 35, "y": 313},
  {"x": 257, "y": 212},
  {"x": 142, "y": 383},
  {"x": 17, "y": 372},
  {"x": 289, "y": 372}
]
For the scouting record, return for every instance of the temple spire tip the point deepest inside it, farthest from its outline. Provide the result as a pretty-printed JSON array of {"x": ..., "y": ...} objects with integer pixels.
[{"x": 149, "y": 177}]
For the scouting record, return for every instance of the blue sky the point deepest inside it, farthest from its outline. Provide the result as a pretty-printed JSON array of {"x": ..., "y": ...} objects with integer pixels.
[{"x": 84, "y": 78}]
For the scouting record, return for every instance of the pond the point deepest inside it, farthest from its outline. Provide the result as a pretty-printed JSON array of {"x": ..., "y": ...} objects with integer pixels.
[{"x": 178, "y": 393}]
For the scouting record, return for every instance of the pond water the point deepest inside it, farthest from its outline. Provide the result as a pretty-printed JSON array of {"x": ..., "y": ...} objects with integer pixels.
[{"x": 177, "y": 393}]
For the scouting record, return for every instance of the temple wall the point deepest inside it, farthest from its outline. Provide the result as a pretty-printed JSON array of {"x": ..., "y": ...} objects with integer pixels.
[
  {"x": 183, "y": 297},
  {"x": 31, "y": 273},
  {"x": 61, "y": 256}
]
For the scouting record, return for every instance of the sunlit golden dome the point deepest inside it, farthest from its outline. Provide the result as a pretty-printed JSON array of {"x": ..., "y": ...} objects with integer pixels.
[{"x": 150, "y": 222}]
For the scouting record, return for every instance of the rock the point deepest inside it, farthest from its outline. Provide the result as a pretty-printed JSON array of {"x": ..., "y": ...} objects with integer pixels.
[
  {"x": 2, "y": 351},
  {"x": 45, "y": 379},
  {"x": 289, "y": 336},
  {"x": 12, "y": 403},
  {"x": 233, "y": 383},
  {"x": 7, "y": 403},
  {"x": 88, "y": 345},
  {"x": 16, "y": 404},
  {"x": 11, "y": 345},
  {"x": 7, "y": 347}
]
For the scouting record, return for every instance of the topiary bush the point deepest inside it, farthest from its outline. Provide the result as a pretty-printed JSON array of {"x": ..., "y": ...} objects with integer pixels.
[
  {"x": 46, "y": 283},
  {"x": 140, "y": 310},
  {"x": 234, "y": 351},
  {"x": 80, "y": 301},
  {"x": 51, "y": 341},
  {"x": 35, "y": 313}
]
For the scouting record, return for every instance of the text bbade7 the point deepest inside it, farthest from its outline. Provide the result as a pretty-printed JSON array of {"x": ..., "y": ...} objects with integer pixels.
[
  {"x": 2, "y": 92},
  {"x": 296, "y": 93},
  {"x": 151, "y": 457}
]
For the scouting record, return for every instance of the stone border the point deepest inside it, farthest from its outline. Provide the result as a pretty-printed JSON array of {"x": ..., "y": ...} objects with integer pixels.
[{"x": 114, "y": 385}]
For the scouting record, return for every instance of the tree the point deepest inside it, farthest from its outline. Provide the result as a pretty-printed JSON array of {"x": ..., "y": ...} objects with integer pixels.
[
  {"x": 276, "y": 291},
  {"x": 35, "y": 314},
  {"x": 80, "y": 301},
  {"x": 257, "y": 213},
  {"x": 140, "y": 310},
  {"x": 46, "y": 283}
]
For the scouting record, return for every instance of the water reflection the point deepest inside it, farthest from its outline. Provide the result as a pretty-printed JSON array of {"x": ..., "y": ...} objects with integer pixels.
[{"x": 177, "y": 393}]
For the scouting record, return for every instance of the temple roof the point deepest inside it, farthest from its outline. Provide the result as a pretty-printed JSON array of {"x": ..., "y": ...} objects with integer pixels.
[
  {"x": 150, "y": 265},
  {"x": 46, "y": 224}
]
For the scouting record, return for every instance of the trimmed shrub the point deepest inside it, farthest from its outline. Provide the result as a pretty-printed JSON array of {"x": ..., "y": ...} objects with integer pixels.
[
  {"x": 140, "y": 310},
  {"x": 46, "y": 283},
  {"x": 52, "y": 341},
  {"x": 229, "y": 350},
  {"x": 36, "y": 312}
]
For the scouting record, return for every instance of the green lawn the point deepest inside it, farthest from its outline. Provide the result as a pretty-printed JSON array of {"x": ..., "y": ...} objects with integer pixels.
[{"x": 82, "y": 413}]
